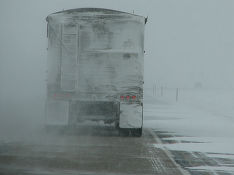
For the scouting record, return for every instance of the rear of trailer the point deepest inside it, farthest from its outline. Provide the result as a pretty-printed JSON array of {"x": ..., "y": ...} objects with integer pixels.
[{"x": 95, "y": 68}]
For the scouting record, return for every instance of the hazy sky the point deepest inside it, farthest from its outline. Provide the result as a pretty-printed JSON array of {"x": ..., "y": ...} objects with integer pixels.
[{"x": 186, "y": 41}]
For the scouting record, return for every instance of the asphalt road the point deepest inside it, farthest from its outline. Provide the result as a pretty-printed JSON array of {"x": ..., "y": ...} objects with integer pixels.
[{"x": 87, "y": 151}]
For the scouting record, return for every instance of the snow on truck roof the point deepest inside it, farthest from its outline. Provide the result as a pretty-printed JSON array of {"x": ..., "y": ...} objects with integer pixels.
[{"x": 91, "y": 12}]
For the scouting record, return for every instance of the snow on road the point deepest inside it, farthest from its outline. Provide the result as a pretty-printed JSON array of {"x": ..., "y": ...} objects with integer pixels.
[{"x": 200, "y": 121}]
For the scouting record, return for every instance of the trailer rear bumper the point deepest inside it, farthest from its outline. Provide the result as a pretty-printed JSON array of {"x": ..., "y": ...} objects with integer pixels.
[
  {"x": 124, "y": 115},
  {"x": 107, "y": 111},
  {"x": 60, "y": 112}
]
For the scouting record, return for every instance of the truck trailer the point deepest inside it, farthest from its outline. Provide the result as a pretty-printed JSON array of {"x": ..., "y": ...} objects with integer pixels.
[{"x": 95, "y": 68}]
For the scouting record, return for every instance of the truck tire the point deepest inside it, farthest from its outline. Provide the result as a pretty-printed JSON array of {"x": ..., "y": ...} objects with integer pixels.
[
  {"x": 117, "y": 125},
  {"x": 137, "y": 132}
]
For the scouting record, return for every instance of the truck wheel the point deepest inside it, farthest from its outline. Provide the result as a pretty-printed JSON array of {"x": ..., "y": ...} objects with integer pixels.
[
  {"x": 117, "y": 125},
  {"x": 137, "y": 132},
  {"x": 123, "y": 132}
]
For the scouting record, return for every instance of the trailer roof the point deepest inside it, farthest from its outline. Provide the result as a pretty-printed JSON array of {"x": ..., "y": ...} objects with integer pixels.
[{"x": 93, "y": 10}]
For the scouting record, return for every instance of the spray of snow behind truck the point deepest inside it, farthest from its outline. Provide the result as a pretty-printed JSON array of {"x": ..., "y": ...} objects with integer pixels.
[{"x": 95, "y": 68}]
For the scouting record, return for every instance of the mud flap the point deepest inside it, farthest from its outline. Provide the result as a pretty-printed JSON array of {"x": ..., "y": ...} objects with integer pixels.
[
  {"x": 130, "y": 116},
  {"x": 57, "y": 112}
]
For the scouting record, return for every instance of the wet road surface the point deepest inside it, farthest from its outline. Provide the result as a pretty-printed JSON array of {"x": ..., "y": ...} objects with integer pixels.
[{"x": 99, "y": 151}]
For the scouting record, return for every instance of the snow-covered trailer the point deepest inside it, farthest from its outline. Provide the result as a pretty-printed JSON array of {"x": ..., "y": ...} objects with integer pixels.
[{"x": 95, "y": 68}]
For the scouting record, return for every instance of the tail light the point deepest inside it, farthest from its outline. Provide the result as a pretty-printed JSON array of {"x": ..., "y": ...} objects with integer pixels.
[{"x": 128, "y": 98}]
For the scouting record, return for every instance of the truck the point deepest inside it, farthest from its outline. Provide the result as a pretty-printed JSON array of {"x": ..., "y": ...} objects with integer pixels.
[{"x": 95, "y": 61}]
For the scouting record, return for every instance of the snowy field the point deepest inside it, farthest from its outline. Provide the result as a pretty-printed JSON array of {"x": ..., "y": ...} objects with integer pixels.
[{"x": 202, "y": 120}]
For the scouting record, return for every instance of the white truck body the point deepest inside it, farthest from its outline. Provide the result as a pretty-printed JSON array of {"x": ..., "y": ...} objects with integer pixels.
[{"x": 95, "y": 67}]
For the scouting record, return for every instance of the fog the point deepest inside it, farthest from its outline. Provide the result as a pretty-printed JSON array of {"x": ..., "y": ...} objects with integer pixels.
[{"x": 186, "y": 42}]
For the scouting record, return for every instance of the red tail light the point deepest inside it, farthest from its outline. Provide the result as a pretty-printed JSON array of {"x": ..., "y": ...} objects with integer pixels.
[{"x": 128, "y": 97}]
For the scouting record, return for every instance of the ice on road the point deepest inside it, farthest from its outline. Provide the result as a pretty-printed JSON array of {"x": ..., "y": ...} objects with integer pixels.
[{"x": 201, "y": 121}]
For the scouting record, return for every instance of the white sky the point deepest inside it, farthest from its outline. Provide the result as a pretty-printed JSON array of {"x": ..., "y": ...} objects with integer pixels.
[{"x": 186, "y": 41}]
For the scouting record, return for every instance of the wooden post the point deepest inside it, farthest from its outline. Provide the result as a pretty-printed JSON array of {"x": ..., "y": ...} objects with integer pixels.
[
  {"x": 177, "y": 93},
  {"x": 154, "y": 90}
]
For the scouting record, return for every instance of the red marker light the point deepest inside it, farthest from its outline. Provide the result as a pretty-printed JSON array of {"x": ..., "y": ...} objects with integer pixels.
[
  {"x": 122, "y": 97},
  {"x": 133, "y": 97},
  {"x": 128, "y": 97}
]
